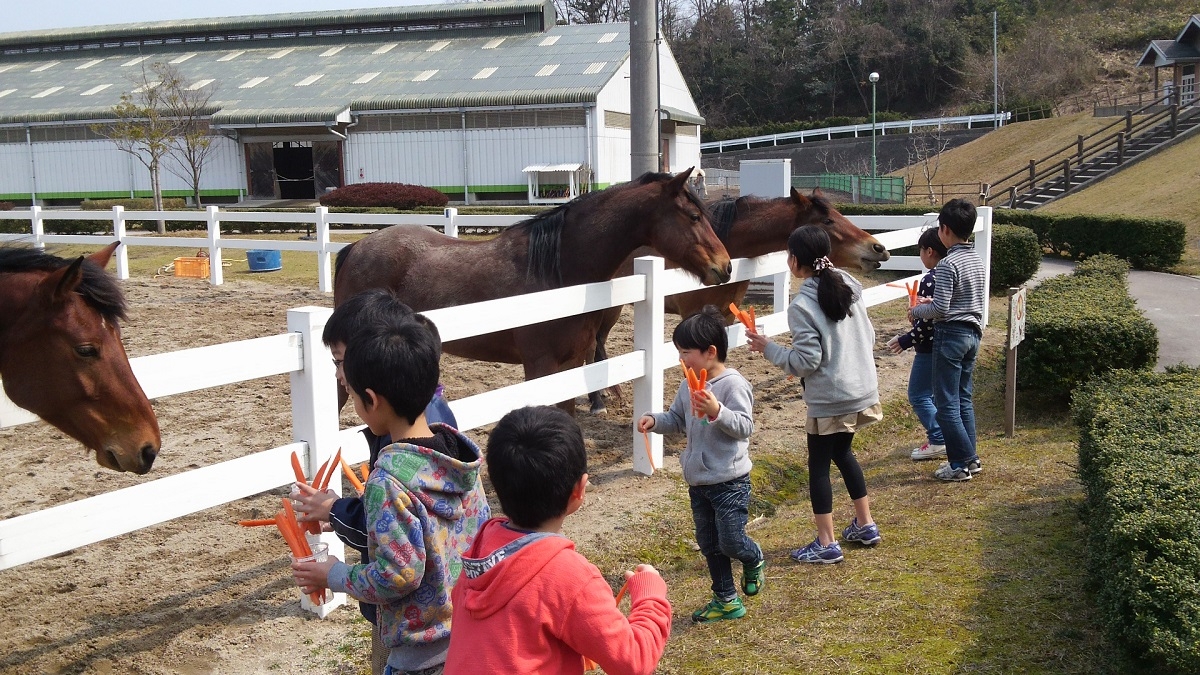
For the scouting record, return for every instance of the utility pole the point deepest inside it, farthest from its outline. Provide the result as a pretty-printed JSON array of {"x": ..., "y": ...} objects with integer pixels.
[
  {"x": 874, "y": 77},
  {"x": 995, "y": 74},
  {"x": 643, "y": 88}
]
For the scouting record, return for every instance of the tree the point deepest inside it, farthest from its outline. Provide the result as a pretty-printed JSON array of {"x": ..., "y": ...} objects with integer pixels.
[
  {"x": 189, "y": 107},
  {"x": 925, "y": 148}
]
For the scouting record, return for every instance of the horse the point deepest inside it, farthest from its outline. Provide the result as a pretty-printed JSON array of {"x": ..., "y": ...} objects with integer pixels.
[
  {"x": 61, "y": 356},
  {"x": 750, "y": 227},
  {"x": 582, "y": 241}
]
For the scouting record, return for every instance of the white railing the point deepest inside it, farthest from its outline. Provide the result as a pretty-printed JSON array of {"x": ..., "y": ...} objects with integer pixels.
[
  {"x": 828, "y": 133},
  {"x": 315, "y": 427},
  {"x": 213, "y": 243}
]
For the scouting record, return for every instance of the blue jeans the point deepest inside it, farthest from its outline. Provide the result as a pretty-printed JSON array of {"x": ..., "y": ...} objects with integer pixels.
[
  {"x": 920, "y": 396},
  {"x": 720, "y": 512},
  {"x": 955, "y": 347}
]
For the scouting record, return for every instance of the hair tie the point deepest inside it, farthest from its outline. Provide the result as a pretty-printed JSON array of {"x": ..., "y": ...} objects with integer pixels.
[{"x": 821, "y": 263}]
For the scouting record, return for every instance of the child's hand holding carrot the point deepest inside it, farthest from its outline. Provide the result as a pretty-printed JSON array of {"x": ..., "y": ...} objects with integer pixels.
[
  {"x": 313, "y": 577},
  {"x": 313, "y": 505},
  {"x": 645, "y": 423},
  {"x": 705, "y": 403}
]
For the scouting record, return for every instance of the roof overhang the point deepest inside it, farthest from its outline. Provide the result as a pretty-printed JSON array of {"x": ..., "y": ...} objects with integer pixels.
[
  {"x": 543, "y": 168},
  {"x": 677, "y": 115}
]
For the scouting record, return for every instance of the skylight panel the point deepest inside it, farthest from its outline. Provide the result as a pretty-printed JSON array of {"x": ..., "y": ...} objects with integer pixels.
[
  {"x": 96, "y": 89},
  {"x": 547, "y": 70},
  {"x": 425, "y": 75},
  {"x": 365, "y": 78},
  {"x": 438, "y": 46},
  {"x": 549, "y": 40},
  {"x": 333, "y": 50},
  {"x": 6, "y": 92},
  {"x": 606, "y": 38},
  {"x": 134, "y": 61},
  {"x": 180, "y": 59},
  {"x": 89, "y": 64},
  {"x": 282, "y": 53},
  {"x": 198, "y": 84},
  {"x": 252, "y": 82},
  {"x": 46, "y": 92},
  {"x": 594, "y": 68},
  {"x": 386, "y": 48},
  {"x": 309, "y": 80},
  {"x": 493, "y": 43},
  {"x": 5, "y": 69},
  {"x": 45, "y": 66},
  {"x": 484, "y": 74},
  {"x": 232, "y": 55}
]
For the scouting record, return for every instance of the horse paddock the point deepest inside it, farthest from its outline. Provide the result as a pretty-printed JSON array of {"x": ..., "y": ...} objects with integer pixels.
[{"x": 202, "y": 595}]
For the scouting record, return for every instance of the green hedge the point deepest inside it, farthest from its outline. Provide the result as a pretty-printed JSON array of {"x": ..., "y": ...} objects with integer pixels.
[
  {"x": 1104, "y": 264},
  {"x": 134, "y": 204},
  {"x": 1147, "y": 243},
  {"x": 1016, "y": 256},
  {"x": 1078, "y": 326},
  {"x": 1139, "y": 461}
]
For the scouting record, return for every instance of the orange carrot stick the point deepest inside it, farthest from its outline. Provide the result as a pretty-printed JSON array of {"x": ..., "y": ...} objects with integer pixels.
[
  {"x": 293, "y": 524},
  {"x": 257, "y": 523},
  {"x": 649, "y": 454},
  {"x": 296, "y": 468},
  {"x": 365, "y": 471},
  {"x": 333, "y": 463},
  {"x": 753, "y": 319},
  {"x": 354, "y": 482},
  {"x": 320, "y": 475},
  {"x": 621, "y": 593},
  {"x": 703, "y": 379}
]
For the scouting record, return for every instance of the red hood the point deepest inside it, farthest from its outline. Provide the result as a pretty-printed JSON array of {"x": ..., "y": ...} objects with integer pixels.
[{"x": 490, "y": 592}]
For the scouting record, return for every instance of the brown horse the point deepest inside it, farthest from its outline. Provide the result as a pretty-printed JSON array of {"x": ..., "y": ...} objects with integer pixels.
[
  {"x": 750, "y": 227},
  {"x": 580, "y": 242},
  {"x": 61, "y": 356}
]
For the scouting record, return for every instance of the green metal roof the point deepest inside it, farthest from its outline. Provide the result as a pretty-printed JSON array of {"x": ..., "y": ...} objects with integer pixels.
[
  {"x": 311, "y": 80},
  {"x": 681, "y": 115}
]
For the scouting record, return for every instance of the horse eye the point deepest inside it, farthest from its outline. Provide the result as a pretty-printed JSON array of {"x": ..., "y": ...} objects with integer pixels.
[
  {"x": 695, "y": 217},
  {"x": 87, "y": 351},
  {"x": 829, "y": 221}
]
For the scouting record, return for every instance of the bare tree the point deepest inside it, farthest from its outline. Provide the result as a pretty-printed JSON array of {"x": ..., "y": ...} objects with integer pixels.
[
  {"x": 189, "y": 106},
  {"x": 925, "y": 148}
]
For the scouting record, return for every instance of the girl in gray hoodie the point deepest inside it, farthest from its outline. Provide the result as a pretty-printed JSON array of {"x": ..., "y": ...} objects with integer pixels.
[{"x": 832, "y": 351}]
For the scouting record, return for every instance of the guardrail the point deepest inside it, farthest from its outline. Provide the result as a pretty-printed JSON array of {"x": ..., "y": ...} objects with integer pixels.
[{"x": 827, "y": 133}]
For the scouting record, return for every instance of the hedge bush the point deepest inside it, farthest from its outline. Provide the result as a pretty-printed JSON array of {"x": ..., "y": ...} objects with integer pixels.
[
  {"x": 1078, "y": 326},
  {"x": 1104, "y": 264},
  {"x": 6, "y": 206},
  {"x": 1016, "y": 256},
  {"x": 395, "y": 195},
  {"x": 135, "y": 204},
  {"x": 1147, "y": 243},
  {"x": 1139, "y": 461}
]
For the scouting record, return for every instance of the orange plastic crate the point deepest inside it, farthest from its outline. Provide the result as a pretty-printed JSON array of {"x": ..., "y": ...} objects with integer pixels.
[{"x": 191, "y": 267}]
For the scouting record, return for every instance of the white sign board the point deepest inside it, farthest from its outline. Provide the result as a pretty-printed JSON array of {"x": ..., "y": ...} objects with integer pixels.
[{"x": 1016, "y": 318}]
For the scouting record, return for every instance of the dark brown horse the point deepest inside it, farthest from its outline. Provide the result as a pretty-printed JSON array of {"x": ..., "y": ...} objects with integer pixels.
[
  {"x": 583, "y": 241},
  {"x": 750, "y": 227},
  {"x": 61, "y": 356}
]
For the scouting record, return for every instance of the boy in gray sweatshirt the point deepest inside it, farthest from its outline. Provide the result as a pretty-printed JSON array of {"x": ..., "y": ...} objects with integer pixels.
[{"x": 718, "y": 421}]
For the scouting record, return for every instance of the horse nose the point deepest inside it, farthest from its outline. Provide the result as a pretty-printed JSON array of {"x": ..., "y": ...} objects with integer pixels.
[
  {"x": 881, "y": 250},
  {"x": 148, "y": 454}
]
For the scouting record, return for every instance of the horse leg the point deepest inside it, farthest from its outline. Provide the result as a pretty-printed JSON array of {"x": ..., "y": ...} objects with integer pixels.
[{"x": 609, "y": 318}]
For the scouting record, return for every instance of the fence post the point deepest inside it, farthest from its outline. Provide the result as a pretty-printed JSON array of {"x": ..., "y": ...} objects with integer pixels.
[
  {"x": 324, "y": 266},
  {"x": 1032, "y": 172},
  {"x": 983, "y": 246},
  {"x": 315, "y": 413},
  {"x": 1174, "y": 119},
  {"x": 37, "y": 227},
  {"x": 450, "y": 228},
  {"x": 1128, "y": 122},
  {"x": 122, "y": 250},
  {"x": 1079, "y": 146},
  {"x": 649, "y": 329},
  {"x": 216, "y": 273},
  {"x": 1120, "y": 148},
  {"x": 1066, "y": 174},
  {"x": 1012, "y": 196}
]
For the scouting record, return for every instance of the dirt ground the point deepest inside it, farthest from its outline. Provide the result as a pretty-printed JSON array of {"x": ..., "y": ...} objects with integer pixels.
[{"x": 199, "y": 594}]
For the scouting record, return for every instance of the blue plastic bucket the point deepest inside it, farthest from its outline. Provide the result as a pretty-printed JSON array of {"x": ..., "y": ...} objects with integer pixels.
[{"x": 261, "y": 260}]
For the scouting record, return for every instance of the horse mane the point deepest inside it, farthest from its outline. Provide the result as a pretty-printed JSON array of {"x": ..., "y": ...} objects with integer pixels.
[
  {"x": 724, "y": 212},
  {"x": 98, "y": 288}
]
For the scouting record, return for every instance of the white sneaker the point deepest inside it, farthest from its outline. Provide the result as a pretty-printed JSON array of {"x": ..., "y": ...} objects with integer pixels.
[{"x": 928, "y": 451}]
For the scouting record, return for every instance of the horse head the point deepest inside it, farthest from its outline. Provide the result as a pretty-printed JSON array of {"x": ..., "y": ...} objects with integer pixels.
[
  {"x": 680, "y": 230},
  {"x": 63, "y": 360},
  {"x": 852, "y": 247}
]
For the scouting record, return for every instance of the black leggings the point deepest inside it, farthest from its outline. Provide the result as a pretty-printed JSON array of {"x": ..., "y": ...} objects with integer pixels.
[{"x": 835, "y": 447}]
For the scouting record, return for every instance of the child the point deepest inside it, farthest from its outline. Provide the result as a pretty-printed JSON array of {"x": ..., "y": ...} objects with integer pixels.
[
  {"x": 423, "y": 500},
  {"x": 527, "y": 602},
  {"x": 920, "y": 338},
  {"x": 716, "y": 462},
  {"x": 957, "y": 310},
  {"x": 832, "y": 341},
  {"x": 345, "y": 514}
]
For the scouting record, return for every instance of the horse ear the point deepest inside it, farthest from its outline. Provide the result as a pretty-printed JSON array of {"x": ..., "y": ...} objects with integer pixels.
[
  {"x": 58, "y": 285},
  {"x": 679, "y": 182},
  {"x": 800, "y": 199},
  {"x": 102, "y": 256}
]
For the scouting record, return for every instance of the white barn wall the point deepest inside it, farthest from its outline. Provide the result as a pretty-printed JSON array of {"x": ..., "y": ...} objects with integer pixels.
[
  {"x": 613, "y": 146},
  {"x": 674, "y": 92},
  {"x": 14, "y": 169}
]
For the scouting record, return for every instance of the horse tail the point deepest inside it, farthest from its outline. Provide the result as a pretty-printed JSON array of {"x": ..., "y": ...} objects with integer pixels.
[{"x": 341, "y": 258}]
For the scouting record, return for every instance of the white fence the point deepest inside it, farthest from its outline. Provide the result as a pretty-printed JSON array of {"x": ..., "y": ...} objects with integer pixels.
[
  {"x": 315, "y": 426},
  {"x": 212, "y": 217},
  {"x": 827, "y": 133}
]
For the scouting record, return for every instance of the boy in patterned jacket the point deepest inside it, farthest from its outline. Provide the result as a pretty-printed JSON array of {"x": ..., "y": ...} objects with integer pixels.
[
  {"x": 920, "y": 339},
  {"x": 423, "y": 499}
]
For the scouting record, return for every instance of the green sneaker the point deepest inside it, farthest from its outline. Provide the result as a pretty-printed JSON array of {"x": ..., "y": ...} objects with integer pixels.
[
  {"x": 716, "y": 610},
  {"x": 753, "y": 578}
]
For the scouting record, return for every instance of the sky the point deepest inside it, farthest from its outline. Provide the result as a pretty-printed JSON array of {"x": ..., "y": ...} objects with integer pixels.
[{"x": 41, "y": 14}]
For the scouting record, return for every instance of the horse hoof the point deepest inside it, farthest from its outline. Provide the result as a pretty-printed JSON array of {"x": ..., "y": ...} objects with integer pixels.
[{"x": 599, "y": 411}]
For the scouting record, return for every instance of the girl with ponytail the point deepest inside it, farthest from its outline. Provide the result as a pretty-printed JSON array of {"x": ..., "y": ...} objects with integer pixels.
[{"x": 833, "y": 353}]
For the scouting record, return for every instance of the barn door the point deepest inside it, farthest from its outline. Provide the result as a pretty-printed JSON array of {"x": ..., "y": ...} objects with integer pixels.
[
  {"x": 260, "y": 171},
  {"x": 327, "y": 165}
]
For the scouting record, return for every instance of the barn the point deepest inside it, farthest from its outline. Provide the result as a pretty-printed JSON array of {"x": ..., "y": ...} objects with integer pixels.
[{"x": 482, "y": 101}]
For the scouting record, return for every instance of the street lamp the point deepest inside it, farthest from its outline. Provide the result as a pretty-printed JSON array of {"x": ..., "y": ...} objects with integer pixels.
[{"x": 873, "y": 77}]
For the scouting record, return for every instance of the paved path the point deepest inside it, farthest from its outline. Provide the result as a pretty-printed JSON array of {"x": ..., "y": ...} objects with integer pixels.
[{"x": 1170, "y": 301}]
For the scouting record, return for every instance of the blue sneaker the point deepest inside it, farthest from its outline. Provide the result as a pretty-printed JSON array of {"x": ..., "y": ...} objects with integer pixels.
[
  {"x": 867, "y": 535},
  {"x": 816, "y": 553}
]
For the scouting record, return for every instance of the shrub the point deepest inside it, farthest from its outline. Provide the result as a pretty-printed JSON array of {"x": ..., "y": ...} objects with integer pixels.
[
  {"x": 396, "y": 195},
  {"x": 1104, "y": 264},
  {"x": 1078, "y": 326},
  {"x": 6, "y": 206},
  {"x": 135, "y": 204},
  {"x": 1016, "y": 256},
  {"x": 1147, "y": 243},
  {"x": 1139, "y": 461}
]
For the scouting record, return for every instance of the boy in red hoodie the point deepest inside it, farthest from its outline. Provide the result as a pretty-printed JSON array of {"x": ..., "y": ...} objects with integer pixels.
[{"x": 526, "y": 601}]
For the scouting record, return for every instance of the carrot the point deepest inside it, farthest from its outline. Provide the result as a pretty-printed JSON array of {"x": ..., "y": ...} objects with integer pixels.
[
  {"x": 296, "y": 468},
  {"x": 703, "y": 379},
  {"x": 365, "y": 471},
  {"x": 589, "y": 664},
  {"x": 621, "y": 593},
  {"x": 687, "y": 374},
  {"x": 294, "y": 525},
  {"x": 337, "y": 457},
  {"x": 320, "y": 475},
  {"x": 753, "y": 319},
  {"x": 649, "y": 454},
  {"x": 257, "y": 523},
  {"x": 354, "y": 482}
]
